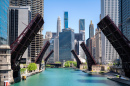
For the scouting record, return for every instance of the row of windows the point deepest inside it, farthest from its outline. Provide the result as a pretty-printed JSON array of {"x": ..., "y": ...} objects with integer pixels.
[{"x": 4, "y": 4}]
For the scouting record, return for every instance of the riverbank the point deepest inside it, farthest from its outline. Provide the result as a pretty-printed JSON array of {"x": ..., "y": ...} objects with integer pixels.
[
  {"x": 28, "y": 75},
  {"x": 111, "y": 76},
  {"x": 31, "y": 73}
]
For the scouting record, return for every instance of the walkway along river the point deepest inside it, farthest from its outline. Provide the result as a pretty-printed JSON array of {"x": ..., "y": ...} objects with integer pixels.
[{"x": 66, "y": 77}]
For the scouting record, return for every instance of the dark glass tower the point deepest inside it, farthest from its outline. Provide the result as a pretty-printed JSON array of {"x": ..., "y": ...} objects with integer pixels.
[
  {"x": 82, "y": 28},
  {"x": 66, "y": 44},
  {"x": 65, "y": 20},
  {"x": 124, "y": 17},
  {"x": 81, "y": 24}
]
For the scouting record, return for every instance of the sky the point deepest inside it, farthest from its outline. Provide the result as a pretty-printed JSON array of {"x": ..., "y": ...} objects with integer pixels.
[{"x": 77, "y": 9}]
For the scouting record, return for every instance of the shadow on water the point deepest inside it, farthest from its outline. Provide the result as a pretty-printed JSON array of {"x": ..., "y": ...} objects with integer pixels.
[
  {"x": 107, "y": 82},
  {"x": 91, "y": 75}
]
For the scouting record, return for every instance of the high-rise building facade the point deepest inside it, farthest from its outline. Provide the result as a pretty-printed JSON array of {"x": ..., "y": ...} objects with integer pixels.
[
  {"x": 80, "y": 51},
  {"x": 90, "y": 40},
  {"x": 58, "y": 26},
  {"x": 56, "y": 49},
  {"x": 36, "y": 6},
  {"x": 19, "y": 17},
  {"x": 98, "y": 50},
  {"x": 54, "y": 45},
  {"x": 65, "y": 20},
  {"x": 124, "y": 17},
  {"x": 4, "y": 4},
  {"x": 109, "y": 7},
  {"x": 82, "y": 27},
  {"x": 91, "y": 30},
  {"x": 66, "y": 44},
  {"x": 78, "y": 36}
]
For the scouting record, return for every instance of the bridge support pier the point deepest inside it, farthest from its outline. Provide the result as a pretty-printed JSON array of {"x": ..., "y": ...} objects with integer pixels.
[
  {"x": 17, "y": 75},
  {"x": 127, "y": 72}
]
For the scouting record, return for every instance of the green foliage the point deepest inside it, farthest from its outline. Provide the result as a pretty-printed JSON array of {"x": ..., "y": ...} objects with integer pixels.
[
  {"x": 50, "y": 66},
  {"x": 58, "y": 62},
  {"x": 114, "y": 64},
  {"x": 22, "y": 70},
  {"x": 32, "y": 66},
  {"x": 75, "y": 63},
  {"x": 68, "y": 63},
  {"x": 108, "y": 68},
  {"x": 42, "y": 61}
]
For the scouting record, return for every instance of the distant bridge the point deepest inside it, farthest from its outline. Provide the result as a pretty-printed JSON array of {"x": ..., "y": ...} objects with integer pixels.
[
  {"x": 57, "y": 65},
  {"x": 77, "y": 58},
  {"x": 90, "y": 59}
]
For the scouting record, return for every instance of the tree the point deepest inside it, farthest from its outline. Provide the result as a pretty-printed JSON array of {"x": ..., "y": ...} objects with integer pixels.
[
  {"x": 22, "y": 70},
  {"x": 75, "y": 63},
  {"x": 68, "y": 63},
  {"x": 32, "y": 66}
]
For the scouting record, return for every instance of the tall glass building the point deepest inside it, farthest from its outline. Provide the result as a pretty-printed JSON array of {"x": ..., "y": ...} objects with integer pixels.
[
  {"x": 81, "y": 24},
  {"x": 4, "y": 4},
  {"x": 82, "y": 28},
  {"x": 124, "y": 17},
  {"x": 66, "y": 44},
  {"x": 65, "y": 20},
  {"x": 109, "y": 7}
]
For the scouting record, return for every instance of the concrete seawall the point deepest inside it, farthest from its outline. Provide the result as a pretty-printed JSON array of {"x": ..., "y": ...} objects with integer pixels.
[{"x": 127, "y": 82}]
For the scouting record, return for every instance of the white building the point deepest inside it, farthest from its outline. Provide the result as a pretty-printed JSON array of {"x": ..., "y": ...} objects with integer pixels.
[
  {"x": 109, "y": 7},
  {"x": 19, "y": 18},
  {"x": 98, "y": 49},
  {"x": 80, "y": 51},
  {"x": 36, "y": 6},
  {"x": 58, "y": 25}
]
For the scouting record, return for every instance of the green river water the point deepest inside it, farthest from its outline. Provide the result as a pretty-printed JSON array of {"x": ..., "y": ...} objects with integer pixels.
[{"x": 66, "y": 77}]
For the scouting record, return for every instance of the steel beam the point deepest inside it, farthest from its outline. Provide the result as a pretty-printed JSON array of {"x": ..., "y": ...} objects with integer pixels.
[
  {"x": 118, "y": 41},
  {"x": 22, "y": 42},
  {"x": 90, "y": 59},
  {"x": 77, "y": 58},
  {"x": 41, "y": 54}
]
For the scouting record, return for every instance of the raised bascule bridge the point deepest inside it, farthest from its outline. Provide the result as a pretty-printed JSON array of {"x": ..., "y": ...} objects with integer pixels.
[
  {"x": 118, "y": 41},
  {"x": 90, "y": 59},
  {"x": 41, "y": 54},
  {"x": 47, "y": 57},
  {"x": 19, "y": 46},
  {"x": 77, "y": 58}
]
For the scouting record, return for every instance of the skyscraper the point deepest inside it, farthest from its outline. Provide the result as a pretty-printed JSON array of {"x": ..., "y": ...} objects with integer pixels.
[
  {"x": 66, "y": 44},
  {"x": 91, "y": 30},
  {"x": 124, "y": 17},
  {"x": 37, "y": 6},
  {"x": 65, "y": 20},
  {"x": 17, "y": 23},
  {"x": 58, "y": 26},
  {"x": 82, "y": 27},
  {"x": 109, "y": 7},
  {"x": 4, "y": 4},
  {"x": 79, "y": 50},
  {"x": 98, "y": 53}
]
